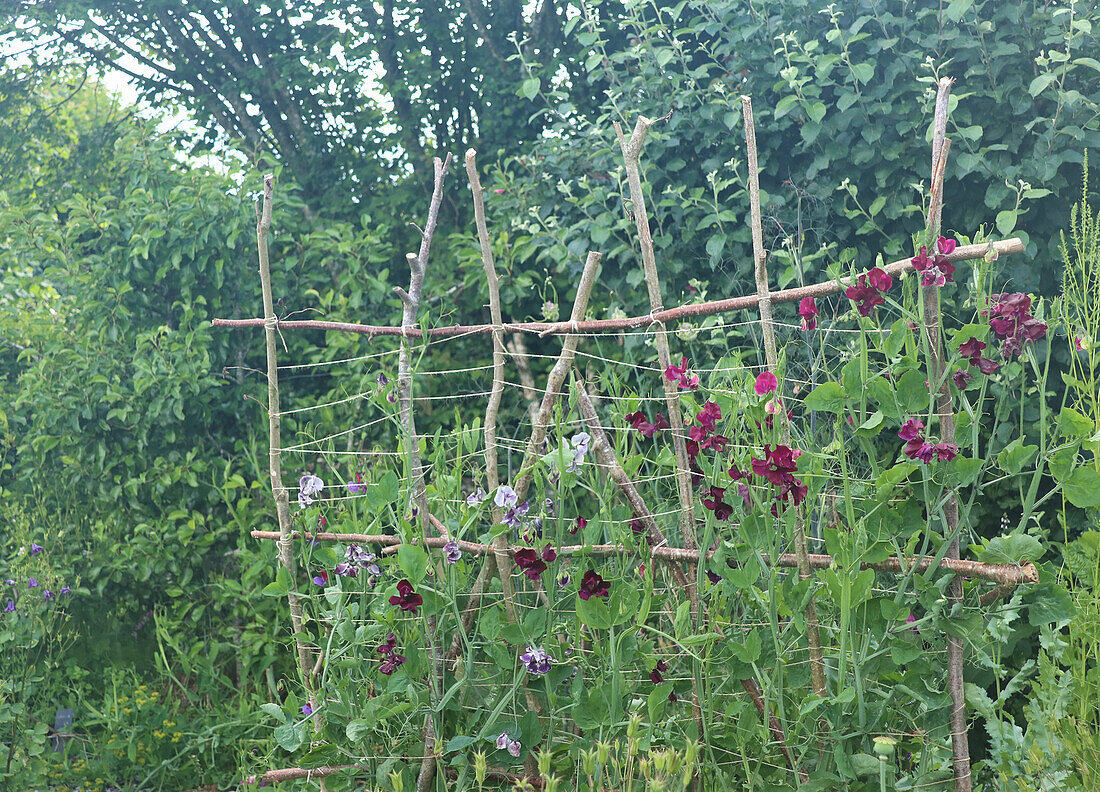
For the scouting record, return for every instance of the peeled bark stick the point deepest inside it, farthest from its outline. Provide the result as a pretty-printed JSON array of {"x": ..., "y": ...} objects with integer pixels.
[
  {"x": 275, "y": 465},
  {"x": 767, "y": 325},
  {"x": 632, "y": 152},
  {"x": 607, "y": 457},
  {"x": 748, "y": 302},
  {"x": 1008, "y": 575},
  {"x": 945, "y": 409},
  {"x": 410, "y": 300},
  {"x": 556, "y": 378},
  {"x": 502, "y": 559}
]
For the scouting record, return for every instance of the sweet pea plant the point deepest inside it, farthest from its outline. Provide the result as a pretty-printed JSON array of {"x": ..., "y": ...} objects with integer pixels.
[{"x": 635, "y": 604}]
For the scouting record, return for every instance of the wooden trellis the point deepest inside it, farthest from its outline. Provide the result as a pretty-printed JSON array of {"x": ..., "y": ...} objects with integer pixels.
[{"x": 497, "y": 556}]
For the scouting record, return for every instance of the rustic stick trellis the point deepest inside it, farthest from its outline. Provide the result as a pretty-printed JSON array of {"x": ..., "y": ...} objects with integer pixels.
[{"x": 682, "y": 563}]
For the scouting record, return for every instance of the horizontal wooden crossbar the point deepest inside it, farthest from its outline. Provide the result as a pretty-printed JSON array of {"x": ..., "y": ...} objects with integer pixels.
[
  {"x": 1001, "y": 574},
  {"x": 962, "y": 253}
]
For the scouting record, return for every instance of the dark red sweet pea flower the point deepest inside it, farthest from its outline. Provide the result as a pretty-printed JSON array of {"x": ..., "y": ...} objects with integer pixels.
[
  {"x": 715, "y": 442},
  {"x": 660, "y": 421},
  {"x": 709, "y": 416},
  {"x": 592, "y": 585},
  {"x": 637, "y": 527},
  {"x": 406, "y": 598},
  {"x": 1012, "y": 323},
  {"x": 945, "y": 452},
  {"x": 529, "y": 562},
  {"x": 911, "y": 429},
  {"x": 579, "y": 525},
  {"x": 987, "y": 366},
  {"x": 972, "y": 349},
  {"x": 961, "y": 378},
  {"x": 679, "y": 375},
  {"x": 697, "y": 434},
  {"x": 917, "y": 448},
  {"x": 655, "y": 675},
  {"x": 866, "y": 294},
  {"x": 639, "y": 422},
  {"x": 721, "y": 509},
  {"x": 807, "y": 310},
  {"x": 737, "y": 473},
  {"x": 879, "y": 279},
  {"x": 922, "y": 262}
]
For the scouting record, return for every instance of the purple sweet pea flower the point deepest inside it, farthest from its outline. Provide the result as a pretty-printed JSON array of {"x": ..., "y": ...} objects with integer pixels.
[
  {"x": 9, "y": 582},
  {"x": 64, "y": 590},
  {"x": 308, "y": 486},
  {"x": 32, "y": 583},
  {"x": 36, "y": 548},
  {"x": 306, "y": 709},
  {"x": 476, "y": 497},
  {"x": 10, "y": 607},
  {"x": 536, "y": 661},
  {"x": 48, "y": 595},
  {"x": 506, "y": 743},
  {"x": 452, "y": 551},
  {"x": 356, "y": 485},
  {"x": 513, "y": 518}
]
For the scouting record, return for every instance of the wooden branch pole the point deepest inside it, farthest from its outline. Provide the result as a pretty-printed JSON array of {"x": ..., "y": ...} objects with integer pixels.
[
  {"x": 945, "y": 410},
  {"x": 1006, "y": 575},
  {"x": 556, "y": 378},
  {"x": 748, "y": 302},
  {"x": 767, "y": 326},
  {"x": 632, "y": 152},
  {"x": 275, "y": 466},
  {"x": 410, "y": 301}
]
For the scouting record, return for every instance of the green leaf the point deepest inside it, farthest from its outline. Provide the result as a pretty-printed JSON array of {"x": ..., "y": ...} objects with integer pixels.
[
  {"x": 1015, "y": 455},
  {"x": 1040, "y": 83},
  {"x": 872, "y": 426},
  {"x": 413, "y": 562},
  {"x": 594, "y": 708},
  {"x": 530, "y": 87},
  {"x": 658, "y": 701},
  {"x": 889, "y": 479},
  {"x": 1073, "y": 424},
  {"x": 275, "y": 711},
  {"x": 1092, "y": 63},
  {"x": 816, "y": 111},
  {"x": 279, "y": 587},
  {"x": 288, "y": 737},
  {"x": 863, "y": 73},
  {"x": 749, "y": 650},
  {"x": 785, "y": 105},
  {"x": 1082, "y": 488},
  {"x": 459, "y": 743},
  {"x": 956, "y": 9},
  {"x": 827, "y": 397},
  {"x": 1006, "y": 221},
  {"x": 1015, "y": 548},
  {"x": 912, "y": 393},
  {"x": 593, "y": 612},
  {"x": 358, "y": 729}
]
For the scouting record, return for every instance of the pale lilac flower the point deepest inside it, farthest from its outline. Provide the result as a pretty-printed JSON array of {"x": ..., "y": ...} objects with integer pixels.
[
  {"x": 32, "y": 583},
  {"x": 504, "y": 742},
  {"x": 476, "y": 497},
  {"x": 49, "y": 595},
  {"x": 346, "y": 570},
  {"x": 452, "y": 551},
  {"x": 536, "y": 661},
  {"x": 64, "y": 590},
  {"x": 308, "y": 486},
  {"x": 513, "y": 518},
  {"x": 505, "y": 497}
]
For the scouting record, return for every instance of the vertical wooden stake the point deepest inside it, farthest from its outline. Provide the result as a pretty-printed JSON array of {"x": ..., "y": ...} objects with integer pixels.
[
  {"x": 275, "y": 465},
  {"x": 945, "y": 410},
  {"x": 767, "y": 326}
]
